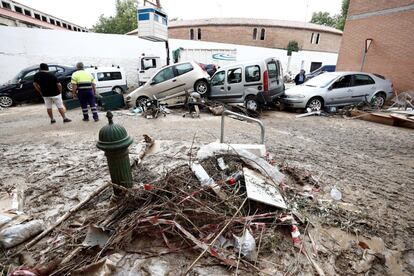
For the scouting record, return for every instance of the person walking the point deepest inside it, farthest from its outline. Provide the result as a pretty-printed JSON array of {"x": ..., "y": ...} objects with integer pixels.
[
  {"x": 48, "y": 86},
  {"x": 84, "y": 88},
  {"x": 300, "y": 78}
]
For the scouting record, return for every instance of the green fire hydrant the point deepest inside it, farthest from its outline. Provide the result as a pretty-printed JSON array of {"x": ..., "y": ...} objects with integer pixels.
[{"x": 114, "y": 141}]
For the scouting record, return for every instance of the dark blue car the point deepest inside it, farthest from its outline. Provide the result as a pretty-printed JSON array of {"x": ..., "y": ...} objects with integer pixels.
[{"x": 21, "y": 89}]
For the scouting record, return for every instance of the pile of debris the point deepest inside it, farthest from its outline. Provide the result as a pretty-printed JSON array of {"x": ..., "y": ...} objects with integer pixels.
[{"x": 226, "y": 207}]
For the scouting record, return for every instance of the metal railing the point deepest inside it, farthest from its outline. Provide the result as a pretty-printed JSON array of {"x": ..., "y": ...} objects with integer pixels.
[{"x": 227, "y": 112}]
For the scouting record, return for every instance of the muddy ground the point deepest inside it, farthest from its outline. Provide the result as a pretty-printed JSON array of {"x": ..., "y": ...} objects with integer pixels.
[{"x": 371, "y": 164}]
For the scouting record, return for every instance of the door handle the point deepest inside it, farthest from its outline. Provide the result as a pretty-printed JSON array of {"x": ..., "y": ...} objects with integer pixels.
[
  {"x": 174, "y": 80},
  {"x": 221, "y": 88},
  {"x": 228, "y": 88}
]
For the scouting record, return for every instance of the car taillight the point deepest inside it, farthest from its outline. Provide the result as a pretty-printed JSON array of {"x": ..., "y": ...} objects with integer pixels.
[{"x": 266, "y": 81}]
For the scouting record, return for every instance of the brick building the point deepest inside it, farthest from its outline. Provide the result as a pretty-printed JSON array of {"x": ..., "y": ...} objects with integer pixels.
[
  {"x": 257, "y": 32},
  {"x": 15, "y": 14},
  {"x": 390, "y": 25}
]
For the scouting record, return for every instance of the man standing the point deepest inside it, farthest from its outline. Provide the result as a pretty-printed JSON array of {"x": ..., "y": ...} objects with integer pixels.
[
  {"x": 84, "y": 87},
  {"x": 48, "y": 86},
  {"x": 300, "y": 78}
]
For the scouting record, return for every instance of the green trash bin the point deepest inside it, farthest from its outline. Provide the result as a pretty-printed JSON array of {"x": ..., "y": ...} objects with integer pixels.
[{"x": 111, "y": 100}]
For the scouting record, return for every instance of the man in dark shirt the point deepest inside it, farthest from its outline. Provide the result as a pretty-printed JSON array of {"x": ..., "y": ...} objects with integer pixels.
[
  {"x": 300, "y": 78},
  {"x": 48, "y": 86}
]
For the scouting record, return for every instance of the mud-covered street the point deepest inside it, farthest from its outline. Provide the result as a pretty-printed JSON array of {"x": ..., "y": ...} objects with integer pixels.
[{"x": 371, "y": 164}]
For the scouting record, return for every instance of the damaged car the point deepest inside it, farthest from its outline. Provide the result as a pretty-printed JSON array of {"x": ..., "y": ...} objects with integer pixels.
[
  {"x": 21, "y": 89},
  {"x": 172, "y": 81},
  {"x": 339, "y": 89}
]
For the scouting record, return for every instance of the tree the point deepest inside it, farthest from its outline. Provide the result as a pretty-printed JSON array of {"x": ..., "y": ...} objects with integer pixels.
[
  {"x": 324, "y": 18},
  {"x": 292, "y": 46},
  {"x": 124, "y": 20},
  {"x": 336, "y": 21},
  {"x": 344, "y": 13}
]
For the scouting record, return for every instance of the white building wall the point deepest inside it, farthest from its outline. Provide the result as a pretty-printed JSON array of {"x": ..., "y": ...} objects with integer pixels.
[{"x": 23, "y": 47}]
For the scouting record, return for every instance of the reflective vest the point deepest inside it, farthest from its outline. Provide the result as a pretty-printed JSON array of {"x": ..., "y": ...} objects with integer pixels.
[{"x": 82, "y": 79}]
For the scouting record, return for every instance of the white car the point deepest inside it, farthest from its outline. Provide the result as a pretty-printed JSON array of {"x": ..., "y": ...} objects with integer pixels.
[
  {"x": 109, "y": 79},
  {"x": 339, "y": 89},
  {"x": 172, "y": 81}
]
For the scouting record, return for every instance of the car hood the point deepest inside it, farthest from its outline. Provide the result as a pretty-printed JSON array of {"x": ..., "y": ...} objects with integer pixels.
[
  {"x": 7, "y": 86},
  {"x": 301, "y": 90}
]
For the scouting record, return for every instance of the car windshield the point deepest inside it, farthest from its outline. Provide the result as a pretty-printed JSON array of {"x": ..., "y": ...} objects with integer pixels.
[
  {"x": 321, "y": 80},
  {"x": 17, "y": 77}
]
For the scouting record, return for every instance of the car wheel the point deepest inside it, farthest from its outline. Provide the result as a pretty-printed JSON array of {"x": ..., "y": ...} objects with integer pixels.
[
  {"x": 69, "y": 86},
  {"x": 117, "y": 89},
  {"x": 141, "y": 100},
  {"x": 315, "y": 104},
  {"x": 6, "y": 101},
  {"x": 378, "y": 100},
  {"x": 201, "y": 87},
  {"x": 251, "y": 103}
]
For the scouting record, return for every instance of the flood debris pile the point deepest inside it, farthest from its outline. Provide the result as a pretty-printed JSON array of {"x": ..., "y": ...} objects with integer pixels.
[{"x": 226, "y": 208}]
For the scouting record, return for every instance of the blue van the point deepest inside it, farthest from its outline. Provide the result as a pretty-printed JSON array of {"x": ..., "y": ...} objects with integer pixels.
[{"x": 321, "y": 70}]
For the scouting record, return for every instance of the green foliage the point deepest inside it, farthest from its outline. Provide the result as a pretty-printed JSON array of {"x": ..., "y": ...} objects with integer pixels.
[
  {"x": 336, "y": 21},
  {"x": 125, "y": 19},
  {"x": 293, "y": 46},
  {"x": 324, "y": 18}
]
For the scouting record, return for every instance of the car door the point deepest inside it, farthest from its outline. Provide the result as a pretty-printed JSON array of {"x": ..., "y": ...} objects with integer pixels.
[
  {"x": 234, "y": 83},
  {"x": 185, "y": 78},
  {"x": 275, "y": 79},
  {"x": 217, "y": 88},
  {"x": 364, "y": 86},
  {"x": 163, "y": 83},
  {"x": 340, "y": 92},
  {"x": 25, "y": 90}
]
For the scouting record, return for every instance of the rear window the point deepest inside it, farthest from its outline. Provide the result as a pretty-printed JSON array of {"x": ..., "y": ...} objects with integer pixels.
[
  {"x": 272, "y": 69},
  {"x": 108, "y": 76},
  {"x": 363, "y": 80},
  {"x": 183, "y": 68},
  {"x": 252, "y": 73}
]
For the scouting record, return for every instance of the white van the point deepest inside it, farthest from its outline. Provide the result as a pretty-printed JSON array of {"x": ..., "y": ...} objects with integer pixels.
[
  {"x": 251, "y": 83},
  {"x": 109, "y": 79}
]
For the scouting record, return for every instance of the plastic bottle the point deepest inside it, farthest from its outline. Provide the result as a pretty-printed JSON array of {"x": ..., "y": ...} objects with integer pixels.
[
  {"x": 231, "y": 180},
  {"x": 336, "y": 194}
]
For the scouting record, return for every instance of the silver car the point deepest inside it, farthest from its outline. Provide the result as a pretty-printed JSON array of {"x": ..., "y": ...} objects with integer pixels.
[
  {"x": 339, "y": 89},
  {"x": 172, "y": 81}
]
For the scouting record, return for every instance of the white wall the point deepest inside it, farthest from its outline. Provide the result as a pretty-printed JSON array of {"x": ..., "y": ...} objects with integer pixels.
[{"x": 23, "y": 47}]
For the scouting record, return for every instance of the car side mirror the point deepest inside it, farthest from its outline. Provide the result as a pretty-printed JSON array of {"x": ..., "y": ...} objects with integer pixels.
[{"x": 330, "y": 87}]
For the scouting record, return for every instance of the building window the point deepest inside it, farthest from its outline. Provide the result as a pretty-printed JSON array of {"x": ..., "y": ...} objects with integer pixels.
[
  {"x": 27, "y": 12},
  {"x": 262, "y": 34},
  {"x": 58, "y": 23},
  {"x": 70, "y": 27},
  {"x": 18, "y": 9},
  {"x": 64, "y": 25},
  {"x": 315, "y": 38},
  {"x": 199, "y": 34},
  {"x": 255, "y": 34},
  {"x": 37, "y": 16},
  {"x": 6, "y": 5},
  {"x": 52, "y": 21},
  {"x": 44, "y": 18},
  {"x": 192, "y": 34}
]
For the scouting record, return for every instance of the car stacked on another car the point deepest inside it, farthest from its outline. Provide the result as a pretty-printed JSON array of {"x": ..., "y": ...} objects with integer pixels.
[
  {"x": 172, "y": 81},
  {"x": 21, "y": 89},
  {"x": 339, "y": 89}
]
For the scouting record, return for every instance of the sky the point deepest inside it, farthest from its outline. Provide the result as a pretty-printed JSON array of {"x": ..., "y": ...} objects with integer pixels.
[{"x": 86, "y": 12}]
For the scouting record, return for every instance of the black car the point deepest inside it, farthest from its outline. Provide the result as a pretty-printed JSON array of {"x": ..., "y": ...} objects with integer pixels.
[{"x": 21, "y": 89}]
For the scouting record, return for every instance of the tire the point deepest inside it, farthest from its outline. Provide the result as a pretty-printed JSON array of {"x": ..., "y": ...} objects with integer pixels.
[
  {"x": 141, "y": 100},
  {"x": 69, "y": 86},
  {"x": 251, "y": 104},
  {"x": 118, "y": 90},
  {"x": 315, "y": 104},
  {"x": 6, "y": 101},
  {"x": 378, "y": 100},
  {"x": 201, "y": 87}
]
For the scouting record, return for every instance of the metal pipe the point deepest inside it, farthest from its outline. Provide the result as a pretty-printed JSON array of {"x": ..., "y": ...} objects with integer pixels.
[{"x": 227, "y": 112}]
